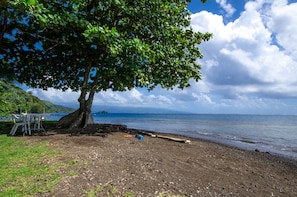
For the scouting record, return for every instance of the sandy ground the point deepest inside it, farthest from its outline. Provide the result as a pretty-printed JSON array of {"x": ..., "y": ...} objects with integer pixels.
[{"x": 150, "y": 166}]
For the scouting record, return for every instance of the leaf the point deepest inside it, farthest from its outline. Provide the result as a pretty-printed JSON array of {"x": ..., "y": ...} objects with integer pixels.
[
  {"x": 43, "y": 19},
  {"x": 32, "y": 2}
]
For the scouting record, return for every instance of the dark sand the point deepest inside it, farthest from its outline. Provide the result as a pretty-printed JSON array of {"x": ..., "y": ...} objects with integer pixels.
[{"x": 152, "y": 166}]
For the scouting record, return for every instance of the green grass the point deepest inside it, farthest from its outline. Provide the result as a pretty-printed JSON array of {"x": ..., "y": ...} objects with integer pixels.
[{"x": 23, "y": 171}]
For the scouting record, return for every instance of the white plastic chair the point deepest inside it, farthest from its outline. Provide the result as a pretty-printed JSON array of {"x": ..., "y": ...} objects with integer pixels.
[
  {"x": 23, "y": 122},
  {"x": 37, "y": 124}
]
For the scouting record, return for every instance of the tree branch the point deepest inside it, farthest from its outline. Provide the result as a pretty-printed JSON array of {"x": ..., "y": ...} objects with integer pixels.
[{"x": 3, "y": 26}]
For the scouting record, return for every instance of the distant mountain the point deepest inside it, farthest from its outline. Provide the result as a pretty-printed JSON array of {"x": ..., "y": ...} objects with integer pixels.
[
  {"x": 120, "y": 109},
  {"x": 52, "y": 108},
  {"x": 15, "y": 100}
]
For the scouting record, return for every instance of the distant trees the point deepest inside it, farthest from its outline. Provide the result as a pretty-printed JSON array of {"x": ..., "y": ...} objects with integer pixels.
[
  {"x": 94, "y": 45},
  {"x": 10, "y": 101},
  {"x": 16, "y": 100}
]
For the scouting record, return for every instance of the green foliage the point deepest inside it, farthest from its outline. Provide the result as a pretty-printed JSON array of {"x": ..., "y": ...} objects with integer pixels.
[
  {"x": 100, "y": 45},
  {"x": 14, "y": 100}
]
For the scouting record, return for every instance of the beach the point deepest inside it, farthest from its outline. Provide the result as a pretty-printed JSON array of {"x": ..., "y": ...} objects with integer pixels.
[
  {"x": 276, "y": 134},
  {"x": 155, "y": 166}
]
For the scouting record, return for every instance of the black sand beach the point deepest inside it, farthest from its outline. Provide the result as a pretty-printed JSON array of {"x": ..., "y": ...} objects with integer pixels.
[{"x": 155, "y": 166}]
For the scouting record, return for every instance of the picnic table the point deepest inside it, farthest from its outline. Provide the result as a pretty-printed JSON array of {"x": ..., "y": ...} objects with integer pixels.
[{"x": 28, "y": 122}]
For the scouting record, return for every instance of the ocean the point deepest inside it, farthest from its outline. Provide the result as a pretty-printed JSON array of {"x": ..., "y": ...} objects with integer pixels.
[{"x": 276, "y": 134}]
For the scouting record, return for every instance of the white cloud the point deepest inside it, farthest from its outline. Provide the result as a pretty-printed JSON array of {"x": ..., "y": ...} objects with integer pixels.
[
  {"x": 133, "y": 97},
  {"x": 203, "y": 98},
  {"x": 227, "y": 7},
  {"x": 243, "y": 55},
  {"x": 56, "y": 96},
  {"x": 283, "y": 23},
  {"x": 280, "y": 18}
]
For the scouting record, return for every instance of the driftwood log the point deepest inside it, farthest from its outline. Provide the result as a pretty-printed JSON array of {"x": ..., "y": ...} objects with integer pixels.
[{"x": 176, "y": 139}]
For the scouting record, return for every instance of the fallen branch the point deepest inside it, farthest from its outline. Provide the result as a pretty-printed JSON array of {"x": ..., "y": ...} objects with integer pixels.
[{"x": 168, "y": 137}]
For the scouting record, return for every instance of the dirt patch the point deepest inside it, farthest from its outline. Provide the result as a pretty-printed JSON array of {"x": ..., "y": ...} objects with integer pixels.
[{"x": 121, "y": 162}]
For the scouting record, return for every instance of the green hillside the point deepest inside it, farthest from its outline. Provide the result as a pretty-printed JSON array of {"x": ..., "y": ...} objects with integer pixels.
[{"x": 15, "y": 100}]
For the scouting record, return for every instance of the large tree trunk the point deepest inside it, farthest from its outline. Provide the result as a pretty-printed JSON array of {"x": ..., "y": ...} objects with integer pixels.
[
  {"x": 81, "y": 117},
  {"x": 77, "y": 119}
]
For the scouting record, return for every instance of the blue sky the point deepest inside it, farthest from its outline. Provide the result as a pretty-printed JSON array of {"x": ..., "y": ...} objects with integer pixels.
[{"x": 249, "y": 67}]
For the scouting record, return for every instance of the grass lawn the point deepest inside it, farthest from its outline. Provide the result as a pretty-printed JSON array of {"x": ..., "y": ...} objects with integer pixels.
[{"x": 23, "y": 171}]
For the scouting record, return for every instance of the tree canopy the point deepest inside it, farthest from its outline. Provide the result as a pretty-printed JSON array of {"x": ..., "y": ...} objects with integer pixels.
[{"x": 92, "y": 46}]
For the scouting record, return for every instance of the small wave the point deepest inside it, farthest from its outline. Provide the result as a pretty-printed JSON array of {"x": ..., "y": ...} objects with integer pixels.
[{"x": 247, "y": 141}]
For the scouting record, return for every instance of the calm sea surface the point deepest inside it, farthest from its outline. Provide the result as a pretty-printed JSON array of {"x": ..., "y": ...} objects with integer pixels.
[{"x": 273, "y": 133}]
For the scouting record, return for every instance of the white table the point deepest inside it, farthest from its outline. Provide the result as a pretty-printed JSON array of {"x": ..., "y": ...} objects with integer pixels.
[{"x": 29, "y": 122}]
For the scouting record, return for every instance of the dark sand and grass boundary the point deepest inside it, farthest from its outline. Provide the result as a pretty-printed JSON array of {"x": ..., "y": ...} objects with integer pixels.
[{"x": 116, "y": 164}]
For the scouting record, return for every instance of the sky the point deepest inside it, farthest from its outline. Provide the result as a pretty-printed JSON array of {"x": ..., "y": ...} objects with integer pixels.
[{"x": 249, "y": 66}]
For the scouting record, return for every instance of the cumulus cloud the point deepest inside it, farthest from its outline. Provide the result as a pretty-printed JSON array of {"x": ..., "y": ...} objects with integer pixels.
[
  {"x": 127, "y": 98},
  {"x": 132, "y": 98},
  {"x": 283, "y": 23},
  {"x": 56, "y": 96},
  {"x": 229, "y": 9},
  {"x": 244, "y": 57}
]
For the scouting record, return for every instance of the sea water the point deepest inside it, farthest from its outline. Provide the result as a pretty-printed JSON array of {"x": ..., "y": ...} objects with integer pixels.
[{"x": 276, "y": 134}]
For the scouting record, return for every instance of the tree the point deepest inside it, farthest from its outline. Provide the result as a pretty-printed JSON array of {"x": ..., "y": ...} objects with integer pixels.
[
  {"x": 92, "y": 46},
  {"x": 15, "y": 100}
]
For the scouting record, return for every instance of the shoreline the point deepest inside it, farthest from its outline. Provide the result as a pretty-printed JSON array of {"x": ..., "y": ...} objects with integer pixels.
[
  {"x": 154, "y": 165},
  {"x": 109, "y": 127},
  {"x": 270, "y": 155},
  {"x": 98, "y": 127},
  {"x": 246, "y": 131}
]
